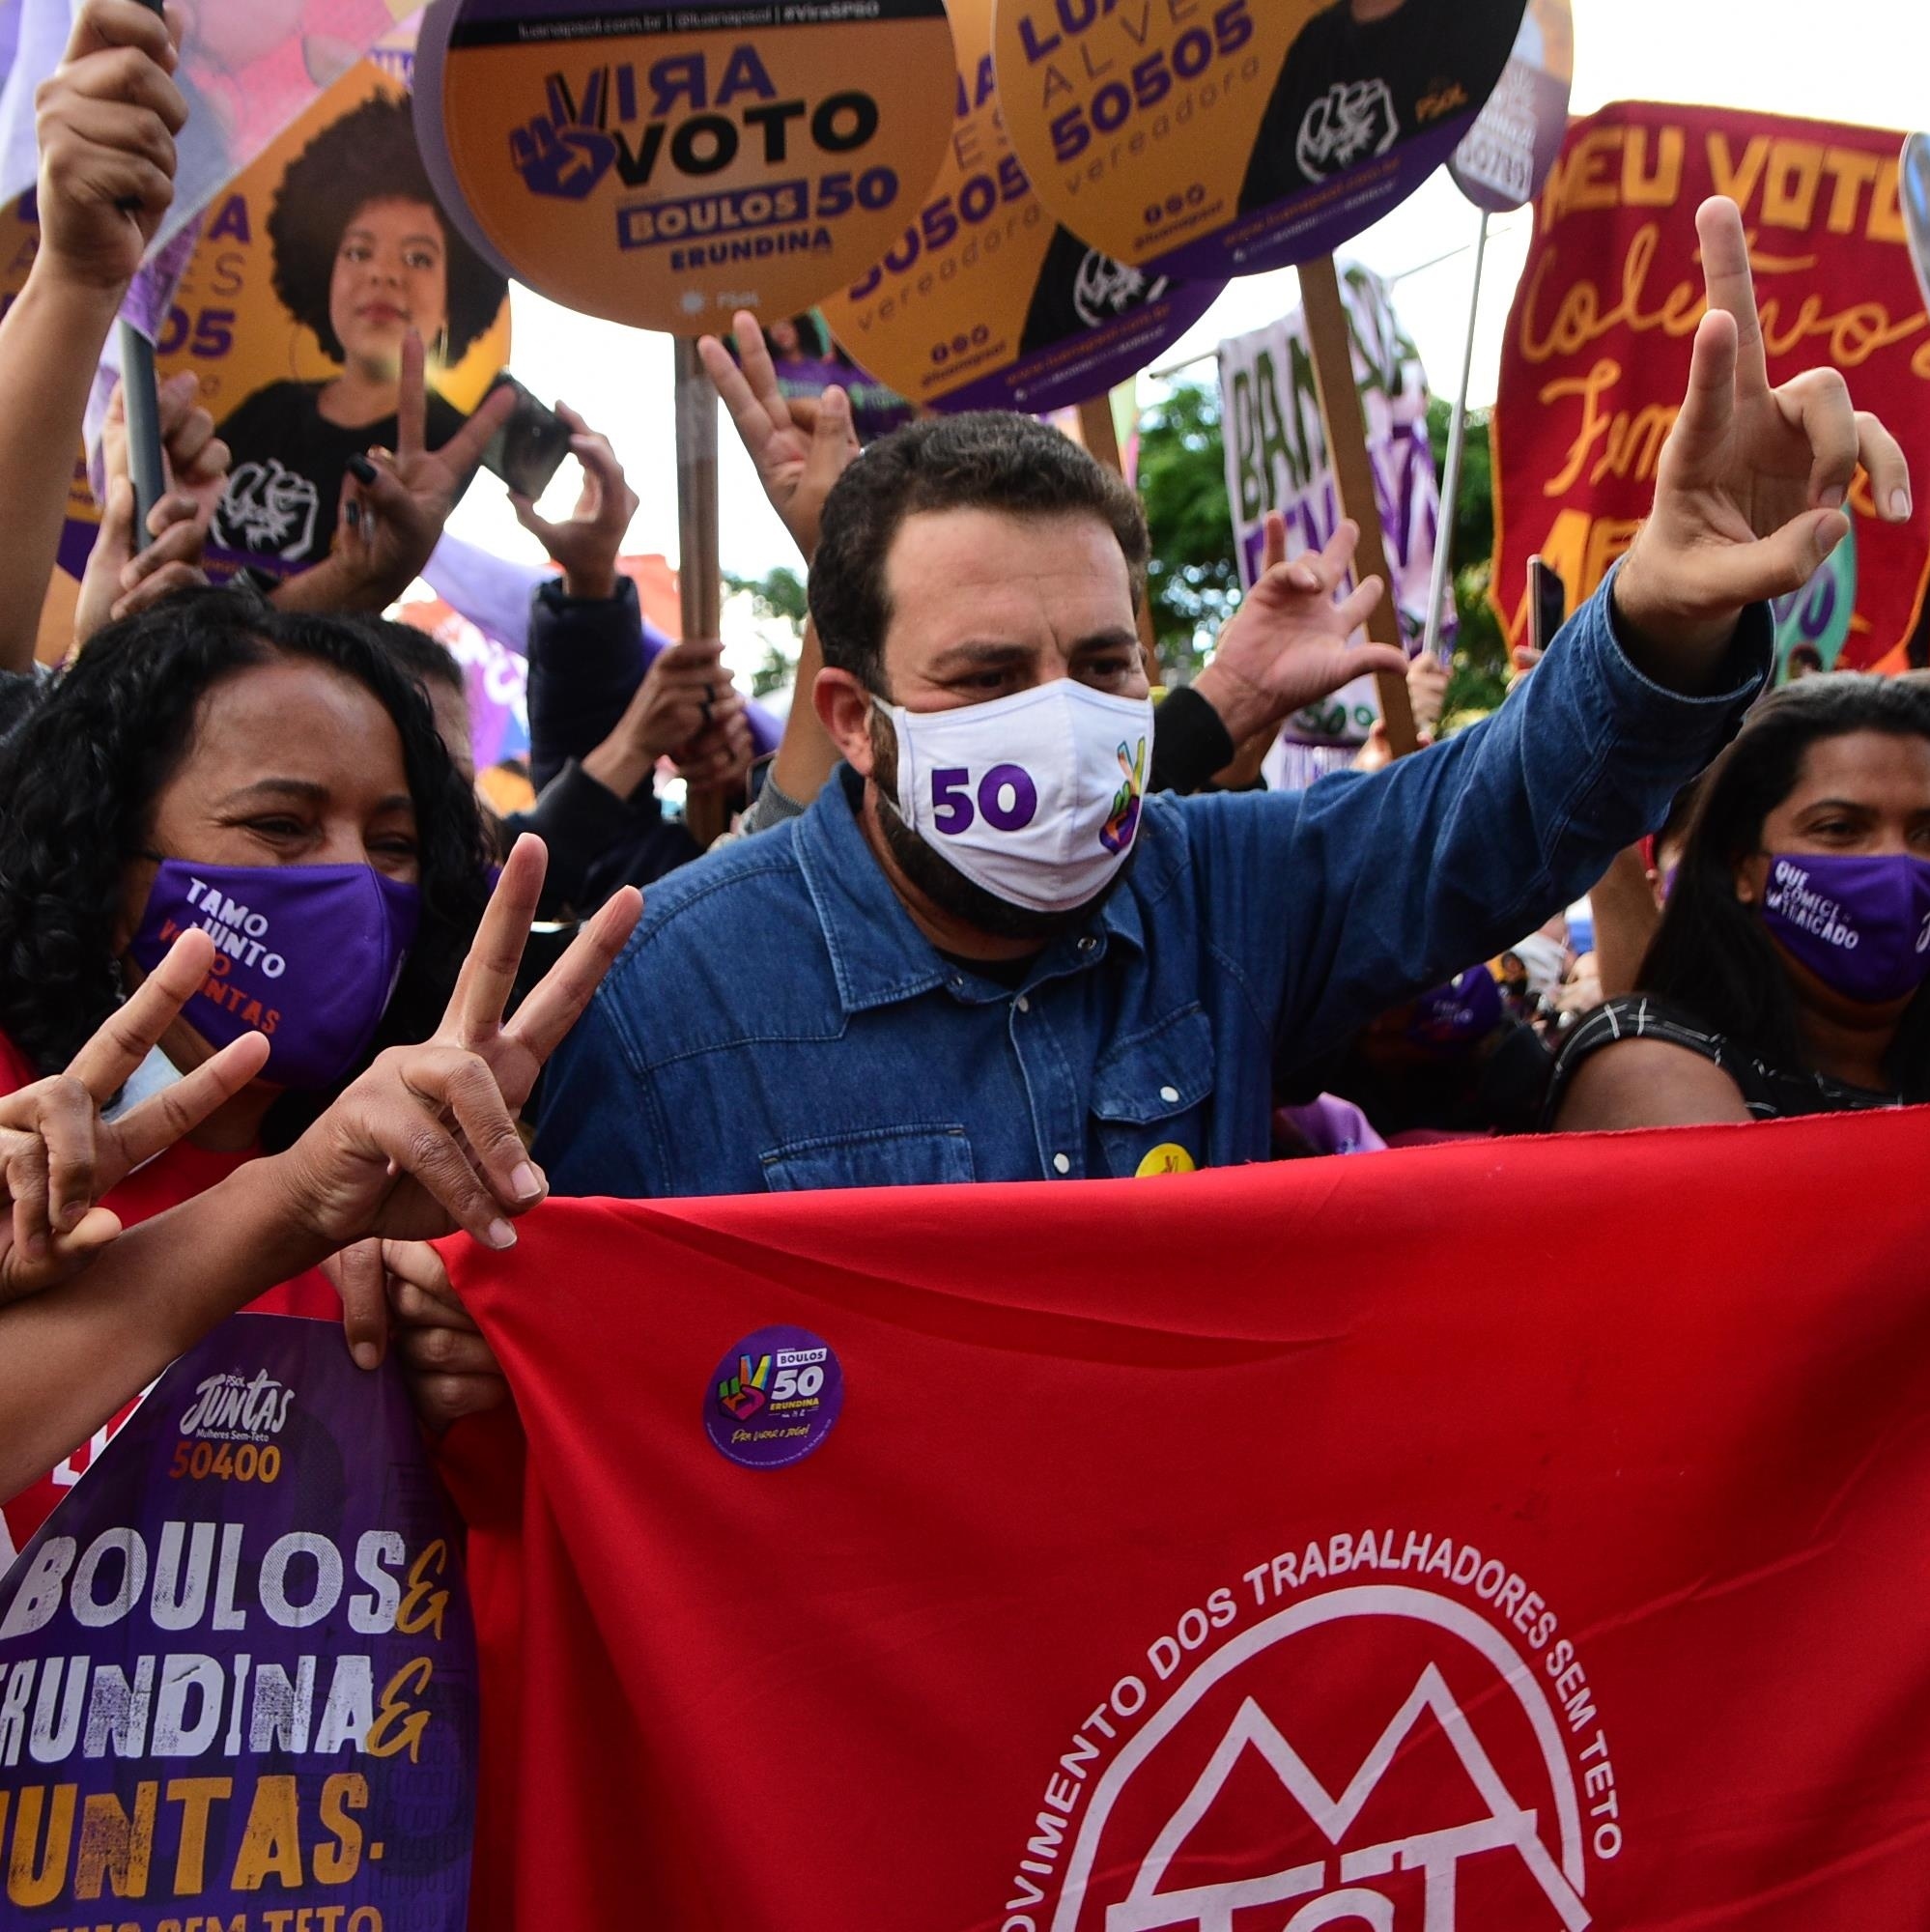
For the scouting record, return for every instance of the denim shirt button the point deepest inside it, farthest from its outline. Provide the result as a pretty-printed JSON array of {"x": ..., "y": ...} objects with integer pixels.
[
  {"x": 1169, "y": 1093},
  {"x": 1023, "y": 1004},
  {"x": 1087, "y": 945},
  {"x": 1060, "y": 1164}
]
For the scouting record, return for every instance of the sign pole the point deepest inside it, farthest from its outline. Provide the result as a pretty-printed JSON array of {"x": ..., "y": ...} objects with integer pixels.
[
  {"x": 699, "y": 578},
  {"x": 1332, "y": 345},
  {"x": 141, "y": 397},
  {"x": 1100, "y": 435},
  {"x": 1456, "y": 440}
]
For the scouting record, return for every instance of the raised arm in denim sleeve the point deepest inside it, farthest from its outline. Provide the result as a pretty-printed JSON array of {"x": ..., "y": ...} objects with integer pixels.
[
  {"x": 585, "y": 660},
  {"x": 1336, "y": 903}
]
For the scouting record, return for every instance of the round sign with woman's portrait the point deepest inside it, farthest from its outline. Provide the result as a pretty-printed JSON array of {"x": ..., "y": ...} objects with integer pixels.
[{"x": 312, "y": 268}]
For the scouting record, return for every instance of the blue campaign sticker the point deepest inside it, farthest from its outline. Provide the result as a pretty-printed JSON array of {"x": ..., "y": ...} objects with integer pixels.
[{"x": 772, "y": 1398}]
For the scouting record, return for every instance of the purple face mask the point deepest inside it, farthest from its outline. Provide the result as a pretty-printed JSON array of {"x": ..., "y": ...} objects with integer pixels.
[
  {"x": 1861, "y": 924},
  {"x": 306, "y": 954},
  {"x": 1458, "y": 1015}
]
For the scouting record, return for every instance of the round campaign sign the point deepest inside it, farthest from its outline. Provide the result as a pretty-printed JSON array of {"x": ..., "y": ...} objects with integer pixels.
[
  {"x": 1916, "y": 186},
  {"x": 1507, "y": 154},
  {"x": 985, "y": 301},
  {"x": 664, "y": 165},
  {"x": 772, "y": 1398},
  {"x": 1205, "y": 138}
]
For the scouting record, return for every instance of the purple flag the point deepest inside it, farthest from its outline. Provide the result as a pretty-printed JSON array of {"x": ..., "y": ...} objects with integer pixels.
[{"x": 238, "y": 1675}]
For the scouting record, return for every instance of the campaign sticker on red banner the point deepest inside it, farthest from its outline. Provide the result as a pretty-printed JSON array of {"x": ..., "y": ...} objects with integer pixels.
[
  {"x": 1216, "y": 137},
  {"x": 985, "y": 301},
  {"x": 666, "y": 165},
  {"x": 238, "y": 1678},
  {"x": 774, "y": 1398},
  {"x": 1513, "y": 144}
]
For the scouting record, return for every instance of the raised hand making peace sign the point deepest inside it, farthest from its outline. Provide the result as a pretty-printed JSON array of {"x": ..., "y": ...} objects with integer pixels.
[
  {"x": 395, "y": 502},
  {"x": 1752, "y": 481},
  {"x": 799, "y": 447},
  {"x": 58, "y": 1156},
  {"x": 425, "y": 1142}
]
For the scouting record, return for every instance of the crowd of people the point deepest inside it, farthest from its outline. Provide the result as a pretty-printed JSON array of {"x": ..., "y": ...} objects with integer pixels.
[{"x": 279, "y": 991}]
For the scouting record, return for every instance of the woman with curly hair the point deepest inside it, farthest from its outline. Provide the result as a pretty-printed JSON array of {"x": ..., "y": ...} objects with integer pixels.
[
  {"x": 363, "y": 256},
  {"x": 1791, "y": 969},
  {"x": 277, "y": 780}
]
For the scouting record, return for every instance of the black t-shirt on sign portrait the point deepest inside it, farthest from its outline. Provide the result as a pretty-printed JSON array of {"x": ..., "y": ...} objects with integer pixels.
[
  {"x": 1349, "y": 90},
  {"x": 285, "y": 477}
]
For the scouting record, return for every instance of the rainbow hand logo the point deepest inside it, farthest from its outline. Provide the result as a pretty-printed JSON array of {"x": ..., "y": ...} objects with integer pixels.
[
  {"x": 743, "y": 1394},
  {"x": 1116, "y": 834}
]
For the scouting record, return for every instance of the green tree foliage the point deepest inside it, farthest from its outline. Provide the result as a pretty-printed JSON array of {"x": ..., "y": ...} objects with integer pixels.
[
  {"x": 1193, "y": 584},
  {"x": 1479, "y": 677},
  {"x": 778, "y": 598},
  {"x": 1194, "y": 580}
]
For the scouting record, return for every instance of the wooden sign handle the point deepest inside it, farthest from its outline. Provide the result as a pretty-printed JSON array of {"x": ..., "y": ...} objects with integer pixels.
[
  {"x": 1347, "y": 449},
  {"x": 1101, "y": 436},
  {"x": 700, "y": 579}
]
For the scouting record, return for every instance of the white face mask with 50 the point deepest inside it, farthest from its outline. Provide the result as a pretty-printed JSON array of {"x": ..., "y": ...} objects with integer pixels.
[{"x": 1036, "y": 797}]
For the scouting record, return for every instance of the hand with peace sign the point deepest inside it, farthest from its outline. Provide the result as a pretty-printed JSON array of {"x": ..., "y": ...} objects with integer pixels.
[
  {"x": 58, "y": 1156},
  {"x": 425, "y": 1142},
  {"x": 799, "y": 447},
  {"x": 1750, "y": 488},
  {"x": 395, "y": 502}
]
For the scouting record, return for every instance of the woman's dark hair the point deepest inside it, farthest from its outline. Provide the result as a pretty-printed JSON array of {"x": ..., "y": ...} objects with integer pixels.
[
  {"x": 426, "y": 660},
  {"x": 80, "y": 774},
  {"x": 369, "y": 154},
  {"x": 813, "y": 337},
  {"x": 1712, "y": 954},
  {"x": 983, "y": 460}
]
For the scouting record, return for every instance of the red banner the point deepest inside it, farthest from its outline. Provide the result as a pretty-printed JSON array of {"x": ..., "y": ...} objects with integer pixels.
[
  {"x": 1094, "y": 1559},
  {"x": 1597, "y": 356}
]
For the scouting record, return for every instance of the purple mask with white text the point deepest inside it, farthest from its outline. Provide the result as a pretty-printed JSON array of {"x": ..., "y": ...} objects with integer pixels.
[
  {"x": 1861, "y": 924},
  {"x": 307, "y": 955}
]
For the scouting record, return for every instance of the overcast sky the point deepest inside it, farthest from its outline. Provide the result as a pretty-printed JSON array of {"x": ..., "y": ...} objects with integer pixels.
[{"x": 1865, "y": 61}]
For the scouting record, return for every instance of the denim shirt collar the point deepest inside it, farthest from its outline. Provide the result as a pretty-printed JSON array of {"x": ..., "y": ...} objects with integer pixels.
[{"x": 878, "y": 956}]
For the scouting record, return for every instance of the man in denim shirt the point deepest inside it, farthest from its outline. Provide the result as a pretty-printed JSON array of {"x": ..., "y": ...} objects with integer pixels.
[{"x": 982, "y": 954}]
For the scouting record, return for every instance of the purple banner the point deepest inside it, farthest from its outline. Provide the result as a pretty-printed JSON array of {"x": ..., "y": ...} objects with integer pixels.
[{"x": 238, "y": 1679}]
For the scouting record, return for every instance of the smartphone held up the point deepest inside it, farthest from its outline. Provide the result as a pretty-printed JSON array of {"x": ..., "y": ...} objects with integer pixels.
[{"x": 529, "y": 447}]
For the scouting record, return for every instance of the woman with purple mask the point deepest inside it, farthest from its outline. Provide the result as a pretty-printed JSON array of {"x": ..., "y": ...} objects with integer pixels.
[
  {"x": 272, "y": 791},
  {"x": 1788, "y": 973}
]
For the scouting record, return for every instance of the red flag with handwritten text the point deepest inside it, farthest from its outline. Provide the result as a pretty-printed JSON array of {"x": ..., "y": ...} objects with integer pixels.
[
  {"x": 1416, "y": 1541},
  {"x": 1596, "y": 361}
]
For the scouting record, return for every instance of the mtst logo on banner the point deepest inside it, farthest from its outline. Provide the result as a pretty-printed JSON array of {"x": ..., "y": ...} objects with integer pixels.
[{"x": 1463, "y": 1779}]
